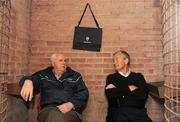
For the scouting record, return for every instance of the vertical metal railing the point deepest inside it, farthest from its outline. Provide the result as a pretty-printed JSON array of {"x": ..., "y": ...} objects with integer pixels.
[
  {"x": 4, "y": 47},
  {"x": 171, "y": 56}
]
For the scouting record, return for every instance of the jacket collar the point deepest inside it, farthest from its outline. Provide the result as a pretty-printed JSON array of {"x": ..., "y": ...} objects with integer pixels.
[{"x": 68, "y": 73}]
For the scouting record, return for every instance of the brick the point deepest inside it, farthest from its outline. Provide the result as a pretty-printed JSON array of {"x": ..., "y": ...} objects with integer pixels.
[
  {"x": 133, "y": 25},
  {"x": 77, "y": 60},
  {"x": 94, "y": 60}
]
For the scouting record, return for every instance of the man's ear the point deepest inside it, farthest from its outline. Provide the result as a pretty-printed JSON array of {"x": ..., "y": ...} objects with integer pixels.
[
  {"x": 126, "y": 60},
  {"x": 52, "y": 63}
]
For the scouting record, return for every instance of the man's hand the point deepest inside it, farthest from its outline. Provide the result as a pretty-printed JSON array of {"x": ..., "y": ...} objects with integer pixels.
[
  {"x": 110, "y": 86},
  {"x": 132, "y": 87},
  {"x": 65, "y": 107},
  {"x": 27, "y": 90}
]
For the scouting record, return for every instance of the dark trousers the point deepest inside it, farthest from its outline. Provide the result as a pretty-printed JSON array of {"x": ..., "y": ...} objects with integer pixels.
[
  {"x": 52, "y": 114},
  {"x": 127, "y": 114}
]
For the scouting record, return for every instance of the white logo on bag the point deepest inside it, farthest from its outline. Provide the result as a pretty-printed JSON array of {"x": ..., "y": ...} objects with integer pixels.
[{"x": 87, "y": 40}]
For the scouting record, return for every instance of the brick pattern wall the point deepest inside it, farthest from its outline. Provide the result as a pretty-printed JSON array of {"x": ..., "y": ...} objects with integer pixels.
[
  {"x": 19, "y": 55},
  {"x": 19, "y": 51},
  {"x": 131, "y": 25}
]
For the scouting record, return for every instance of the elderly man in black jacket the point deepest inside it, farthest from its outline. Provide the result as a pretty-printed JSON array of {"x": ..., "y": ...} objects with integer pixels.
[
  {"x": 126, "y": 92},
  {"x": 63, "y": 93}
]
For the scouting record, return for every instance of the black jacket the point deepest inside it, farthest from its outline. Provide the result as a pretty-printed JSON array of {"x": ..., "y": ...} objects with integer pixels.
[
  {"x": 70, "y": 87},
  {"x": 121, "y": 96}
]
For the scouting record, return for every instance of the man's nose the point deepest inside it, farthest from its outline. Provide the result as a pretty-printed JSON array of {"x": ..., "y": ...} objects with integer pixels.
[{"x": 64, "y": 62}]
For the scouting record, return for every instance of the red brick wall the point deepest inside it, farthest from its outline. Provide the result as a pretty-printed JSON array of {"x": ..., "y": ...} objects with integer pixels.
[
  {"x": 131, "y": 25},
  {"x": 19, "y": 50},
  {"x": 19, "y": 55}
]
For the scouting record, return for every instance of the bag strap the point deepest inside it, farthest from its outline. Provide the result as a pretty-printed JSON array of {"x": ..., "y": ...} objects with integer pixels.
[{"x": 88, "y": 5}]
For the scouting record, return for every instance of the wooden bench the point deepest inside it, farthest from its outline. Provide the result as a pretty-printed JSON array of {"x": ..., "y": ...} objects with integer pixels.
[
  {"x": 13, "y": 88},
  {"x": 156, "y": 89}
]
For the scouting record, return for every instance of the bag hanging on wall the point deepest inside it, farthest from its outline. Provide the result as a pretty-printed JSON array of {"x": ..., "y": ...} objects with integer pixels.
[{"x": 87, "y": 38}]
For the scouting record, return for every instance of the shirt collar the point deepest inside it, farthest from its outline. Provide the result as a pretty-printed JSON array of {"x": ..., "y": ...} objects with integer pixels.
[
  {"x": 125, "y": 75},
  {"x": 57, "y": 75}
]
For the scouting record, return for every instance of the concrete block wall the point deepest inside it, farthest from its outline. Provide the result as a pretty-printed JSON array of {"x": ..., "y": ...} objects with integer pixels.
[{"x": 48, "y": 25}]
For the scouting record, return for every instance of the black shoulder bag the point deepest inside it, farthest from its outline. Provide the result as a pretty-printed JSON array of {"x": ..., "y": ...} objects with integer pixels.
[{"x": 87, "y": 38}]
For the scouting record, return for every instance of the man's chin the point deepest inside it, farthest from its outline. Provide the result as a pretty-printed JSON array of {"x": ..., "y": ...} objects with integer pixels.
[{"x": 61, "y": 70}]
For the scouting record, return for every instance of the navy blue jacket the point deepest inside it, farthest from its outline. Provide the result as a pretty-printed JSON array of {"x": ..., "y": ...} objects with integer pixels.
[{"x": 70, "y": 87}]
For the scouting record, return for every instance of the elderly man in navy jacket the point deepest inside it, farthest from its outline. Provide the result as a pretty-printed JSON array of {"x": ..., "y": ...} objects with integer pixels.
[
  {"x": 126, "y": 92},
  {"x": 63, "y": 93}
]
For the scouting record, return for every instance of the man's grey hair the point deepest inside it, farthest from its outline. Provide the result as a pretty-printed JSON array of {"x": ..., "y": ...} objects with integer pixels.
[
  {"x": 126, "y": 55},
  {"x": 53, "y": 57}
]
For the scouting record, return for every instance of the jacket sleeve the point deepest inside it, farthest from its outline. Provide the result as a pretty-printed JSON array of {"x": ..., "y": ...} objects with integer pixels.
[
  {"x": 111, "y": 92},
  {"x": 142, "y": 90},
  {"x": 81, "y": 95},
  {"x": 35, "y": 78},
  {"x": 119, "y": 90}
]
